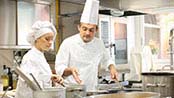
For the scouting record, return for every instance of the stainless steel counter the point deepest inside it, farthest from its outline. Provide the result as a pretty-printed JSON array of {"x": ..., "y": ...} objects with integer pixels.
[{"x": 128, "y": 95}]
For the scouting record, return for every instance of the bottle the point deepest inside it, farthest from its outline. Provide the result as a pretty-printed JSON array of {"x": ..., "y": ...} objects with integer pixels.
[
  {"x": 10, "y": 77},
  {"x": 5, "y": 78},
  {"x": 15, "y": 79}
]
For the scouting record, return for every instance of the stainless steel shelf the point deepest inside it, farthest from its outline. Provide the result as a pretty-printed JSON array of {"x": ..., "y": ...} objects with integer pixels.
[{"x": 17, "y": 47}]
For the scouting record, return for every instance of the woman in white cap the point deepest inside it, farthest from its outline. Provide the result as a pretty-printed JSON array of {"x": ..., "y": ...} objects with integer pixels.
[
  {"x": 80, "y": 55},
  {"x": 41, "y": 38}
]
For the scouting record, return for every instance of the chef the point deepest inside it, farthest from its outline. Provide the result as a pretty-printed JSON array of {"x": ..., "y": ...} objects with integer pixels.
[
  {"x": 80, "y": 55},
  {"x": 41, "y": 38}
]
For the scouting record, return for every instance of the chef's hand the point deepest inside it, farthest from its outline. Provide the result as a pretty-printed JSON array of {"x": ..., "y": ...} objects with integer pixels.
[
  {"x": 56, "y": 79},
  {"x": 75, "y": 74},
  {"x": 113, "y": 72}
]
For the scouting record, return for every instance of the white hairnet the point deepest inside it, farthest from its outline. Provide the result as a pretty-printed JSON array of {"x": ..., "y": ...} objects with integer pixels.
[{"x": 40, "y": 28}]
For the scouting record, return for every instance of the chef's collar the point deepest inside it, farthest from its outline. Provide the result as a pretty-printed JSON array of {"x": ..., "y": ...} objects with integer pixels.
[
  {"x": 82, "y": 42},
  {"x": 37, "y": 51}
]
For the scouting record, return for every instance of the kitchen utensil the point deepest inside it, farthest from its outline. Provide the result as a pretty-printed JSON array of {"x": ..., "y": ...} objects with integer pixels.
[
  {"x": 6, "y": 92},
  {"x": 120, "y": 85},
  {"x": 36, "y": 81},
  {"x": 26, "y": 78}
]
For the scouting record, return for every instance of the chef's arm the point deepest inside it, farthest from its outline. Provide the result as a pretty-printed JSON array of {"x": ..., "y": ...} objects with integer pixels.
[
  {"x": 67, "y": 72},
  {"x": 113, "y": 72}
]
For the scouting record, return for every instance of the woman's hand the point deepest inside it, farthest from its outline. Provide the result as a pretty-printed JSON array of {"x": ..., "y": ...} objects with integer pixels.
[{"x": 57, "y": 79}]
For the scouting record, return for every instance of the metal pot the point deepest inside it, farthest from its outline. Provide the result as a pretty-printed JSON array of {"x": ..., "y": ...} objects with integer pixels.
[
  {"x": 50, "y": 93},
  {"x": 161, "y": 82},
  {"x": 75, "y": 91},
  {"x": 128, "y": 95}
]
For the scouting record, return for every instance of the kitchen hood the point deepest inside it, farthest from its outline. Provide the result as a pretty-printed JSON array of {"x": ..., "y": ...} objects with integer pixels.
[
  {"x": 131, "y": 7},
  {"x": 120, "y": 13},
  {"x": 139, "y": 7},
  {"x": 110, "y": 12}
]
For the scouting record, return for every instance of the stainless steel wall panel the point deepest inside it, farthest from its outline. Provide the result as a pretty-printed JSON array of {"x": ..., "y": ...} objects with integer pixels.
[{"x": 8, "y": 22}]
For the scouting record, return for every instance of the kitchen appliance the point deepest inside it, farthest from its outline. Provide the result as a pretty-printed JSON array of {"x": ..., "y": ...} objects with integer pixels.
[
  {"x": 161, "y": 82},
  {"x": 50, "y": 93},
  {"x": 116, "y": 87},
  {"x": 75, "y": 91},
  {"x": 128, "y": 95}
]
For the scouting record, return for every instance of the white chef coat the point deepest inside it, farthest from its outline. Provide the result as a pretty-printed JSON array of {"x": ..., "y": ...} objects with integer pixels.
[
  {"x": 86, "y": 57},
  {"x": 33, "y": 62}
]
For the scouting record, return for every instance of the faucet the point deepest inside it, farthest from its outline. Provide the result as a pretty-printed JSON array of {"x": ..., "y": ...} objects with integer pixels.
[
  {"x": 171, "y": 66},
  {"x": 171, "y": 46}
]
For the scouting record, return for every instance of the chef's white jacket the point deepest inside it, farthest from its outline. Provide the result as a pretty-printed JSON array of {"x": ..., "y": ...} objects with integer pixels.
[
  {"x": 86, "y": 57},
  {"x": 33, "y": 62}
]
